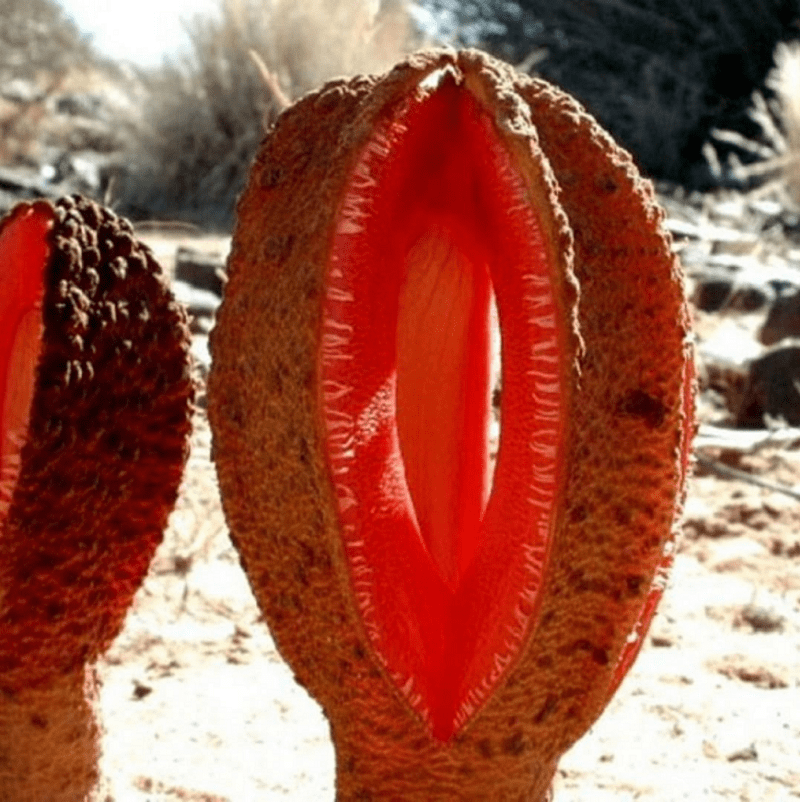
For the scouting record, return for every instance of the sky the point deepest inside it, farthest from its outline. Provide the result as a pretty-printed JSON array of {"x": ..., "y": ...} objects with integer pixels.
[
  {"x": 141, "y": 31},
  {"x": 144, "y": 31}
]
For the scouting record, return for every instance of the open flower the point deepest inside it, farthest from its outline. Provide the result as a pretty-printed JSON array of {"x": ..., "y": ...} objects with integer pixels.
[
  {"x": 462, "y": 624},
  {"x": 95, "y": 403}
]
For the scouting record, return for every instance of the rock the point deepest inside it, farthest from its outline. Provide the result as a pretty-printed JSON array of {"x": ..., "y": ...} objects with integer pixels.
[
  {"x": 711, "y": 295},
  {"x": 783, "y": 319},
  {"x": 22, "y": 181},
  {"x": 200, "y": 304},
  {"x": 79, "y": 104},
  {"x": 720, "y": 287},
  {"x": 202, "y": 270},
  {"x": 772, "y": 388},
  {"x": 762, "y": 619},
  {"x": 85, "y": 171},
  {"x": 753, "y": 671},
  {"x": 21, "y": 90},
  {"x": 750, "y": 298}
]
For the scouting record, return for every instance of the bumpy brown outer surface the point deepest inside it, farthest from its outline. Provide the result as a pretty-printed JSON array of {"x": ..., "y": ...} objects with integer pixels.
[
  {"x": 49, "y": 745},
  {"x": 100, "y": 471},
  {"x": 626, "y": 425}
]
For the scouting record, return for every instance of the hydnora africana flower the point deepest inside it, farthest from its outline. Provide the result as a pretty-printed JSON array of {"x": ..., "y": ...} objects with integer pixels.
[
  {"x": 462, "y": 623},
  {"x": 95, "y": 403}
]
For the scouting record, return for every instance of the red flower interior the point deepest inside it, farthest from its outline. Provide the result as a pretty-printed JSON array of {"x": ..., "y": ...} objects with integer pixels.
[
  {"x": 446, "y": 571},
  {"x": 24, "y": 252}
]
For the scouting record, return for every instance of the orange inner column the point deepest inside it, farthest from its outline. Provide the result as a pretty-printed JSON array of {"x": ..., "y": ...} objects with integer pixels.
[{"x": 443, "y": 392}]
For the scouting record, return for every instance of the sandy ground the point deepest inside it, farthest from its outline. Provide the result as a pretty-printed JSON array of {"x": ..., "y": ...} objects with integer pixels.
[{"x": 198, "y": 705}]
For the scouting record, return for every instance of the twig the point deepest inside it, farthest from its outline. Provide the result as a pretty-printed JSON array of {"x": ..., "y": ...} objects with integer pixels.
[
  {"x": 167, "y": 226},
  {"x": 743, "y": 476},
  {"x": 270, "y": 81}
]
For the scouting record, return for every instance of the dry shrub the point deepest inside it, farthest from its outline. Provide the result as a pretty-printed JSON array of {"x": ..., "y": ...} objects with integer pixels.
[
  {"x": 39, "y": 46},
  {"x": 37, "y": 36},
  {"x": 769, "y": 161},
  {"x": 784, "y": 80},
  {"x": 209, "y": 110}
]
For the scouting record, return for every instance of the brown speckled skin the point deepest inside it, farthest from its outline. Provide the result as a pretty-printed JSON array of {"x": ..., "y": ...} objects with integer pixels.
[
  {"x": 50, "y": 742},
  {"x": 100, "y": 471},
  {"x": 622, "y": 483}
]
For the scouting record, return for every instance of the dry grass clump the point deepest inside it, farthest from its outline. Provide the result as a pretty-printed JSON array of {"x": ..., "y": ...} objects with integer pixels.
[
  {"x": 784, "y": 80},
  {"x": 209, "y": 110}
]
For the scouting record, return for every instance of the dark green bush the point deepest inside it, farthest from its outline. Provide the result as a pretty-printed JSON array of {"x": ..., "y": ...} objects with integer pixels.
[{"x": 659, "y": 74}]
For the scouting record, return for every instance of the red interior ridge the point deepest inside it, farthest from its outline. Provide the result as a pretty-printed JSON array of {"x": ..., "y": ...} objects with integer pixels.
[
  {"x": 24, "y": 252},
  {"x": 435, "y": 221}
]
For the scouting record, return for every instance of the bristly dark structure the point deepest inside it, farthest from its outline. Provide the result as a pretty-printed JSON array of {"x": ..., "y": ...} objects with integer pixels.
[{"x": 90, "y": 472}]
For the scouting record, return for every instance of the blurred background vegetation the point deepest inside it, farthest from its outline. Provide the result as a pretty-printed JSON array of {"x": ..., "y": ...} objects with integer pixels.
[{"x": 688, "y": 86}]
